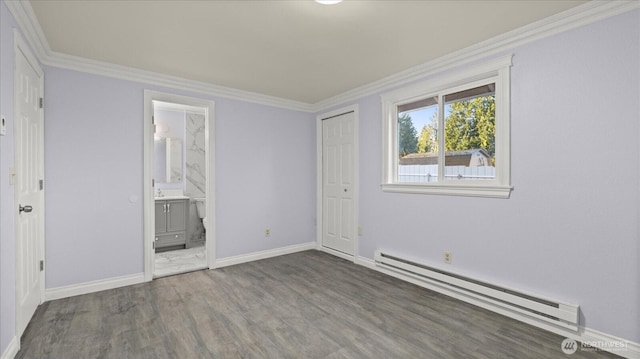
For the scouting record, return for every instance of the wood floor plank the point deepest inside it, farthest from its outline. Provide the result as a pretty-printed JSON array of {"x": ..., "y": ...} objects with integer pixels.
[{"x": 304, "y": 305}]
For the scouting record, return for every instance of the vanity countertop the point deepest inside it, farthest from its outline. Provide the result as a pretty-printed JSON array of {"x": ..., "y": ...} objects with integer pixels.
[{"x": 164, "y": 198}]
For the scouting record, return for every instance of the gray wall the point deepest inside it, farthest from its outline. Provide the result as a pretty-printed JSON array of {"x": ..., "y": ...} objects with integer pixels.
[
  {"x": 265, "y": 177},
  {"x": 93, "y": 164},
  {"x": 570, "y": 229}
]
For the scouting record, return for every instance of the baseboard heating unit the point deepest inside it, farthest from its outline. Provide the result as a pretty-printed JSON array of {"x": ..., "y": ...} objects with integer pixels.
[{"x": 518, "y": 305}]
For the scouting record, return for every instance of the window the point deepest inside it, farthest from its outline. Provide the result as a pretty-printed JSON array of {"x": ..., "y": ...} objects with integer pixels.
[{"x": 451, "y": 135}]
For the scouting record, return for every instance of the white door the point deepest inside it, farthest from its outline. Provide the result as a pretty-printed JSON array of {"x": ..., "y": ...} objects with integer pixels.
[
  {"x": 29, "y": 167},
  {"x": 338, "y": 164}
]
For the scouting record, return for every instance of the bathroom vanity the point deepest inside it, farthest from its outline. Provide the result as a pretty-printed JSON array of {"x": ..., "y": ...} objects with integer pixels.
[{"x": 171, "y": 215}]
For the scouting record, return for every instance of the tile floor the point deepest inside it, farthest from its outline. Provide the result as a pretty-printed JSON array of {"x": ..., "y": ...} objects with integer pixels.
[{"x": 180, "y": 261}]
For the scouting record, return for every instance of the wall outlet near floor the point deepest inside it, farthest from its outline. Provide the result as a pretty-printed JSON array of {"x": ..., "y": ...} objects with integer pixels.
[
  {"x": 267, "y": 232},
  {"x": 447, "y": 257}
]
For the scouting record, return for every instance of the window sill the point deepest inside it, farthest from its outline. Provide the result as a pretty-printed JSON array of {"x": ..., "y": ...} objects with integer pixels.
[{"x": 466, "y": 190}]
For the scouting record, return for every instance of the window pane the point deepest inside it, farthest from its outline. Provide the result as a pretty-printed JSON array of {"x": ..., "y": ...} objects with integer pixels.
[
  {"x": 418, "y": 141},
  {"x": 470, "y": 129}
]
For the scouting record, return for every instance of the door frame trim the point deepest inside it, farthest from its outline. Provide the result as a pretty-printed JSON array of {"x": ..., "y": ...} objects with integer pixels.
[
  {"x": 148, "y": 189},
  {"x": 356, "y": 181},
  {"x": 19, "y": 45}
]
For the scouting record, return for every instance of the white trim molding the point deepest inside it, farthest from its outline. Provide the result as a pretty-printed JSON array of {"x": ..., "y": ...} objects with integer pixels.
[
  {"x": 208, "y": 109},
  {"x": 496, "y": 72},
  {"x": 587, "y": 336},
  {"x": 30, "y": 27},
  {"x": 583, "y": 334},
  {"x": 28, "y": 23},
  {"x": 93, "y": 286},
  {"x": 255, "y": 256},
  {"x": 581, "y": 15},
  {"x": 12, "y": 349},
  {"x": 335, "y": 253},
  {"x": 585, "y": 14},
  {"x": 153, "y": 78}
]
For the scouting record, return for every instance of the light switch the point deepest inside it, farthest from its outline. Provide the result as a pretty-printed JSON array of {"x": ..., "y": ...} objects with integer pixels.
[
  {"x": 3, "y": 126},
  {"x": 12, "y": 176}
]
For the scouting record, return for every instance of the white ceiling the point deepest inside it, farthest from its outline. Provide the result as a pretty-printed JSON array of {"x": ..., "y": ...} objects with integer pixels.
[{"x": 292, "y": 49}]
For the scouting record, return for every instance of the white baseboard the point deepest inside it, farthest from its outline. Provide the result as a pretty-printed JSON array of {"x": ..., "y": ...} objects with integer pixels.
[
  {"x": 586, "y": 335},
  {"x": 91, "y": 287},
  {"x": 366, "y": 262},
  {"x": 243, "y": 258},
  {"x": 12, "y": 349},
  {"x": 583, "y": 335},
  {"x": 111, "y": 283},
  {"x": 336, "y": 253}
]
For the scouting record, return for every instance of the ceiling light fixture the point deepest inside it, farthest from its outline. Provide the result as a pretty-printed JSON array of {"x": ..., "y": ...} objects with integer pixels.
[{"x": 328, "y": 2}]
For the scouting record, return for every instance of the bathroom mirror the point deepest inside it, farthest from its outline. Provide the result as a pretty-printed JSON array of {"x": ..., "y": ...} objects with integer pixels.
[{"x": 168, "y": 160}]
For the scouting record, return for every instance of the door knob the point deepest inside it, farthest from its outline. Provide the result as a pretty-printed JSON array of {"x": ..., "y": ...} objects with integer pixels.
[
  {"x": 345, "y": 190},
  {"x": 25, "y": 209}
]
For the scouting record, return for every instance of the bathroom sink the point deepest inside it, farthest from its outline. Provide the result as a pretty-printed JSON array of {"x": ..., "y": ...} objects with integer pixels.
[{"x": 170, "y": 198}]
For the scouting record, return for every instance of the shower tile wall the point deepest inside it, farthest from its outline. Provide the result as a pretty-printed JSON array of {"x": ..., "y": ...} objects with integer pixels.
[
  {"x": 195, "y": 166},
  {"x": 195, "y": 155}
]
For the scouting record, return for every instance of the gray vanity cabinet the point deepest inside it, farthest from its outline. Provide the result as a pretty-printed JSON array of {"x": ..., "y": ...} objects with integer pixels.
[
  {"x": 161, "y": 217},
  {"x": 171, "y": 223}
]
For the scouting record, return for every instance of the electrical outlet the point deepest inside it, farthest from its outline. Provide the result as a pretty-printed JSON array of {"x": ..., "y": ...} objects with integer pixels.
[
  {"x": 447, "y": 257},
  {"x": 267, "y": 232}
]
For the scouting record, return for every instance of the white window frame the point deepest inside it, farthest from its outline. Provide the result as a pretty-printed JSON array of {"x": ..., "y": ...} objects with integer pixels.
[{"x": 496, "y": 71}]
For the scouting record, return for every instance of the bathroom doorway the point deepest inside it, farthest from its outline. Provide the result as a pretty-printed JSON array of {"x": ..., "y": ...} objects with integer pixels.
[{"x": 179, "y": 221}]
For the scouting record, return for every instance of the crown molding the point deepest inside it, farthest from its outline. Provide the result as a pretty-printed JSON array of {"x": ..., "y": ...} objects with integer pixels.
[
  {"x": 578, "y": 16},
  {"x": 153, "y": 78},
  {"x": 29, "y": 27},
  {"x": 32, "y": 31}
]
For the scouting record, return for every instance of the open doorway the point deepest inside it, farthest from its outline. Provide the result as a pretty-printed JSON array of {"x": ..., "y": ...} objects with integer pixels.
[{"x": 179, "y": 223}]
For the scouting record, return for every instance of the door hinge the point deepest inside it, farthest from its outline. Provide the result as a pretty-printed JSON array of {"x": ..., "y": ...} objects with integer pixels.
[
  {"x": 41, "y": 102},
  {"x": 153, "y": 120},
  {"x": 153, "y": 245},
  {"x": 41, "y": 266},
  {"x": 153, "y": 182},
  {"x": 41, "y": 182}
]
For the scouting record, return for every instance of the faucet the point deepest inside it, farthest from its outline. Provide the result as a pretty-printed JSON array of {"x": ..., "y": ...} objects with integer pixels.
[{"x": 159, "y": 194}]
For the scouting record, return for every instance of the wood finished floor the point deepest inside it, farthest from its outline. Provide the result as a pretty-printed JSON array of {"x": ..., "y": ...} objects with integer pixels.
[{"x": 304, "y": 305}]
